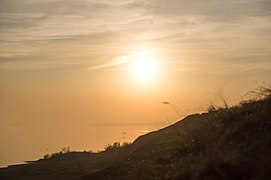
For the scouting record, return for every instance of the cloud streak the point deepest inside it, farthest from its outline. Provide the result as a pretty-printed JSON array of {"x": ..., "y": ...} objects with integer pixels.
[
  {"x": 90, "y": 32},
  {"x": 120, "y": 60},
  {"x": 115, "y": 62}
]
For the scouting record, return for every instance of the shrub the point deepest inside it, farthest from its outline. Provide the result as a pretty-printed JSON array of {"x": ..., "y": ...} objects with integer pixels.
[{"x": 116, "y": 146}]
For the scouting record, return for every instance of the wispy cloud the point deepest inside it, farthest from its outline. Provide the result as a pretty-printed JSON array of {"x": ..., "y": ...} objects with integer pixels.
[
  {"x": 61, "y": 31},
  {"x": 115, "y": 62},
  {"x": 120, "y": 60}
]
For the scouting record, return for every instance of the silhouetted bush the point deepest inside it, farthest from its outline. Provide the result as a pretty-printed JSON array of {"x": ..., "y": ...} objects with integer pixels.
[
  {"x": 116, "y": 146},
  {"x": 64, "y": 150}
]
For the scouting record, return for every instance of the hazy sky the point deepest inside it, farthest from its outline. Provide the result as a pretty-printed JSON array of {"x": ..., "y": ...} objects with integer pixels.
[{"x": 71, "y": 62}]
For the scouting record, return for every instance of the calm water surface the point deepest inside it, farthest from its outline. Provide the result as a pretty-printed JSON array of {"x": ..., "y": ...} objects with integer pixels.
[{"x": 19, "y": 143}]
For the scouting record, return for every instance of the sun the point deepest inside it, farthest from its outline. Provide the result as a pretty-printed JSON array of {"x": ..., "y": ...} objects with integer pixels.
[{"x": 144, "y": 67}]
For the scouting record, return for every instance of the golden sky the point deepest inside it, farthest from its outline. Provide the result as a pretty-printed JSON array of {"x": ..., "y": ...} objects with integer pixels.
[{"x": 113, "y": 62}]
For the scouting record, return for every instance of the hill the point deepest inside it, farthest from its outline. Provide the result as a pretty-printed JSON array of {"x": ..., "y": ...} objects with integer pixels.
[
  {"x": 229, "y": 143},
  {"x": 225, "y": 144}
]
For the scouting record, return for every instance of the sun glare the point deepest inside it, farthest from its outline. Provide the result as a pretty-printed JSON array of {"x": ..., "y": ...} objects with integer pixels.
[{"x": 144, "y": 67}]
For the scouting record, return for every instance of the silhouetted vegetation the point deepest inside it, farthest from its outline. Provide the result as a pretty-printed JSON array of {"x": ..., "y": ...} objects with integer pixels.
[
  {"x": 223, "y": 144},
  {"x": 64, "y": 150},
  {"x": 116, "y": 146}
]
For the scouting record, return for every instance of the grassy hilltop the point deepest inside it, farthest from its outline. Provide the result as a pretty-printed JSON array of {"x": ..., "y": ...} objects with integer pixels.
[{"x": 222, "y": 144}]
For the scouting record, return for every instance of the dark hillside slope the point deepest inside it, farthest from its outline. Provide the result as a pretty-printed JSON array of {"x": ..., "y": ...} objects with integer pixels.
[
  {"x": 68, "y": 166},
  {"x": 225, "y": 144},
  {"x": 232, "y": 143}
]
